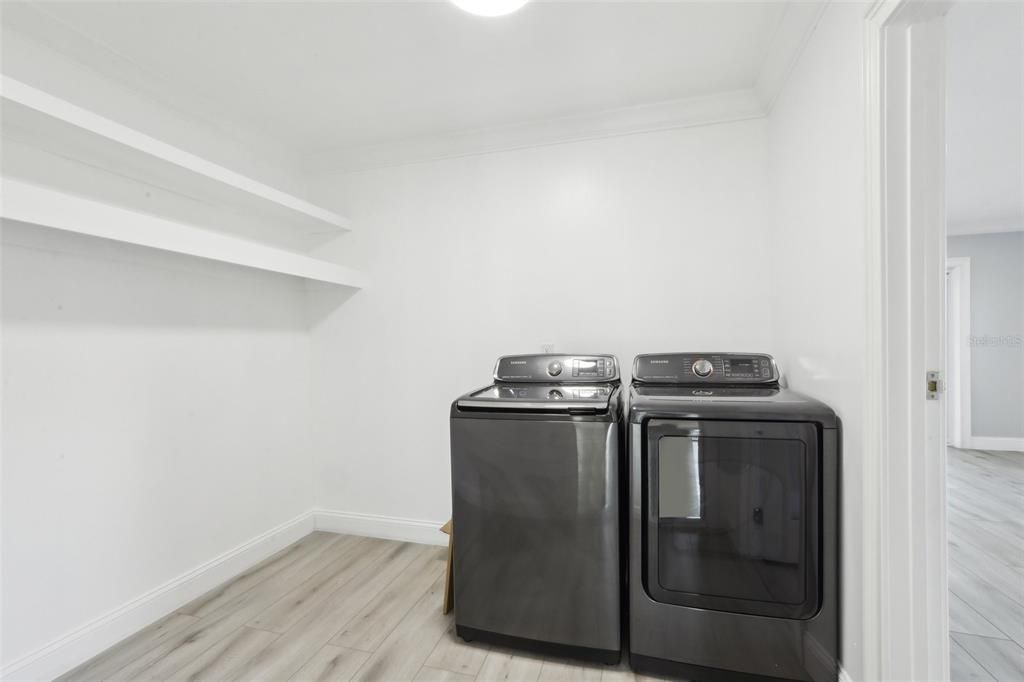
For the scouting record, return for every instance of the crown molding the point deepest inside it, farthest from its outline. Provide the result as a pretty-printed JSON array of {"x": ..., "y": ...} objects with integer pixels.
[
  {"x": 726, "y": 107},
  {"x": 1010, "y": 223},
  {"x": 791, "y": 36},
  {"x": 787, "y": 44}
]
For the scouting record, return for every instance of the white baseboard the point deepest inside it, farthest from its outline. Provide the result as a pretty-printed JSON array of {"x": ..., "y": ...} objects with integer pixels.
[
  {"x": 993, "y": 443},
  {"x": 388, "y": 527},
  {"x": 81, "y": 644}
]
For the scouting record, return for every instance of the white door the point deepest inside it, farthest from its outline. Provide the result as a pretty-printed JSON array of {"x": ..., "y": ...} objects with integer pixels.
[
  {"x": 958, "y": 352},
  {"x": 951, "y": 363}
]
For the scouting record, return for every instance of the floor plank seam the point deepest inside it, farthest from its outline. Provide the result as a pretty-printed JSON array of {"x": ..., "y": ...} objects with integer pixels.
[
  {"x": 995, "y": 588},
  {"x": 988, "y": 668},
  {"x": 974, "y": 634},
  {"x": 985, "y": 551},
  {"x": 356, "y": 615},
  {"x": 412, "y": 605},
  {"x": 269, "y": 632}
]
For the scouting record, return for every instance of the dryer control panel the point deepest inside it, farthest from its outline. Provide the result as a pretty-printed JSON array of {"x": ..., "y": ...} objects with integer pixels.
[
  {"x": 705, "y": 368},
  {"x": 558, "y": 368}
]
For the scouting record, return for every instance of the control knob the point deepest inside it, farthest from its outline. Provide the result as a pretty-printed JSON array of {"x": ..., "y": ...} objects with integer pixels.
[
  {"x": 703, "y": 368},
  {"x": 555, "y": 368}
]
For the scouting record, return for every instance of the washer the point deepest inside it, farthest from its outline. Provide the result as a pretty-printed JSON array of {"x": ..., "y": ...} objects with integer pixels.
[
  {"x": 536, "y": 507},
  {"x": 733, "y": 522}
]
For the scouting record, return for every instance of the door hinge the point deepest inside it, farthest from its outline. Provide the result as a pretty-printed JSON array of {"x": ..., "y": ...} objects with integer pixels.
[{"x": 935, "y": 385}]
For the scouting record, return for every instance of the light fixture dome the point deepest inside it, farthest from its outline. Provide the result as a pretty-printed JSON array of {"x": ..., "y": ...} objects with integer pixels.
[{"x": 489, "y": 8}]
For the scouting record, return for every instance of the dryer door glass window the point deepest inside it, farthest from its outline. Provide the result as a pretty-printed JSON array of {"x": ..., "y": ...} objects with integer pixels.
[{"x": 733, "y": 516}]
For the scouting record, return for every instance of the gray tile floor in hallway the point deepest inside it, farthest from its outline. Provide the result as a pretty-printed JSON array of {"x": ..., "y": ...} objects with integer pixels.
[
  {"x": 329, "y": 607},
  {"x": 986, "y": 564}
]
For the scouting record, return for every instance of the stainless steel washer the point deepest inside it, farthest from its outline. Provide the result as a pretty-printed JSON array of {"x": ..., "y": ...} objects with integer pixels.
[{"x": 536, "y": 476}]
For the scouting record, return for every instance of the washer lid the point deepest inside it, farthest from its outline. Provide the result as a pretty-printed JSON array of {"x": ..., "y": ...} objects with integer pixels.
[{"x": 546, "y": 397}]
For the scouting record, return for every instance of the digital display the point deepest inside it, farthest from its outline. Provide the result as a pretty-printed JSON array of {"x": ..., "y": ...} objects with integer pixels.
[
  {"x": 741, "y": 367},
  {"x": 586, "y": 367}
]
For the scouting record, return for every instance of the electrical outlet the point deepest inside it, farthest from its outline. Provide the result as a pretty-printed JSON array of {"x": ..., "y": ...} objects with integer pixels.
[{"x": 547, "y": 347}]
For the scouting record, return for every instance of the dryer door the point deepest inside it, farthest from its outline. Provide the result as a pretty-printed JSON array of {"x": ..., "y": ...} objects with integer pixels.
[{"x": 733, "y": 516}]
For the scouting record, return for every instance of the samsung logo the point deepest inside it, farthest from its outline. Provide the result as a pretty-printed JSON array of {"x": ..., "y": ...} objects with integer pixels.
[
  {"x": 659, "y": 362},
  {"x": 518, "y": 362}
]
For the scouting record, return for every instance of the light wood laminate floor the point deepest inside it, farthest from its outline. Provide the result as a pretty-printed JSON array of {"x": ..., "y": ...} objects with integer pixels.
[
  {"x": 986, "y": 564},
  {"x": 329, "y": 607},
  {"x": 338, "y": 607}
]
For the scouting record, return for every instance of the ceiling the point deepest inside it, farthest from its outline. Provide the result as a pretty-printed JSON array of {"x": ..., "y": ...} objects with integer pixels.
[
  {"x": 985, "y": 118},
  {"x": 335, "y": 75}
]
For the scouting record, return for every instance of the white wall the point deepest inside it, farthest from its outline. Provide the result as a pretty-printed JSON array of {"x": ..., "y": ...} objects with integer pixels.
[
  {"x": 997, "y": 331},
  {"x": 817, "y": 143},
  {"x": 984, "y": 110},
  {"x": 985, "y": 195},
  {"x": 155, "y": 413},
  {"x": 648, "y": 242},
  {"x": 59, "y": 60}
]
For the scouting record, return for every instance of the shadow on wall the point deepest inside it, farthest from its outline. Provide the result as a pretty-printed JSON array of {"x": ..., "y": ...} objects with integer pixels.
[
  {"x": 323, "y": 299},
  {"x": 51, "y": 277}
]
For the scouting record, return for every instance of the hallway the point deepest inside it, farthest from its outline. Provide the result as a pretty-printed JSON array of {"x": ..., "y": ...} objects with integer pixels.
[{"x": 986, "y": 564}]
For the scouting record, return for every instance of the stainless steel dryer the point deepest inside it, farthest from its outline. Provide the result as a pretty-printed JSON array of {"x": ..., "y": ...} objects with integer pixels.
[
  {"x": 733, "y": 522},
  {"x": 536, "y": 504}
]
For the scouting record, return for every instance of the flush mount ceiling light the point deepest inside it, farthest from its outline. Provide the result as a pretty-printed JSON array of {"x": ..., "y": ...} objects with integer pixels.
[{"x": 489, "y": 8}]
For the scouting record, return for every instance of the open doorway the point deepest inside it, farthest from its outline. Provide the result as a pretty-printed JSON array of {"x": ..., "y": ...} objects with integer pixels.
[
  {"x": 958, "y": 351},
  {"x": 984, "y": 349}
]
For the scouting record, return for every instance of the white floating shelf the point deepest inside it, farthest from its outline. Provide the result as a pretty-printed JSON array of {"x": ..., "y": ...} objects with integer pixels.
[
  {"x": 79, "y": 133},
  {"x": 28, "y": 203}
]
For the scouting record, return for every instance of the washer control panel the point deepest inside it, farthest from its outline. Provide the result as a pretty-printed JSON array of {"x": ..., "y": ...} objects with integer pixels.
[
  {"x": 557, "y": 368},
  {"x": 705, "y": 368}
]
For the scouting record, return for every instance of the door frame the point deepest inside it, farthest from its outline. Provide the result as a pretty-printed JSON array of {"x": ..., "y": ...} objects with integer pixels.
[
  {"x": 958, "y": 319},
  {"x": 905, "y": 600}
]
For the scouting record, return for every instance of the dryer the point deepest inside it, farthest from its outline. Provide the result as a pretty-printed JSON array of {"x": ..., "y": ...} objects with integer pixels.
[{"x": 733, "y": 522}]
